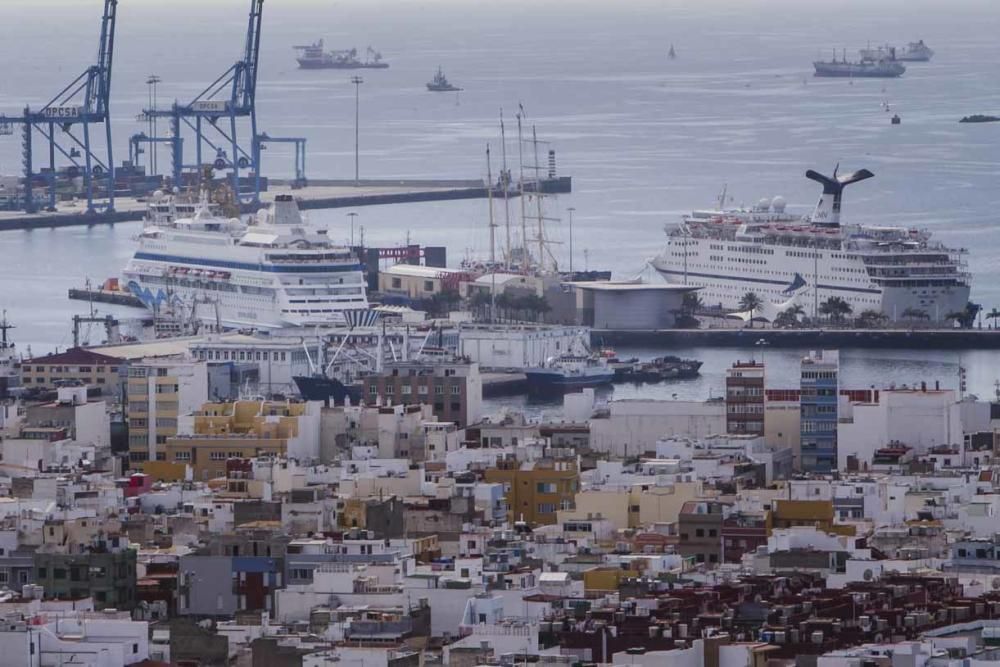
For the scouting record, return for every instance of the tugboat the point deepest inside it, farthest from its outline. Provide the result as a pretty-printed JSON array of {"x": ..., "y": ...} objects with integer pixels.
[
  {"x": 880, "y": 64},
  {"x": 440, "y": 84},
  {"x": 569, "y": 372},
  {"x": 312, "y": 56},
  {"x": 916, "y": 52}
]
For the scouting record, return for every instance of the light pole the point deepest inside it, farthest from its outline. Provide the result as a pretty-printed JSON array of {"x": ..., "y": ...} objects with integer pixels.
[
  {"x": 151, "y": 82},
  {"x": 352, "y": 215},
  {"x": 357, "y": 81},
  {"x": 570, "y": 211}
]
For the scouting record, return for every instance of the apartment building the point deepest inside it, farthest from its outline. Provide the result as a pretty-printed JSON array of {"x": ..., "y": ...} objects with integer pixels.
[{"x": 158, "y": 391}]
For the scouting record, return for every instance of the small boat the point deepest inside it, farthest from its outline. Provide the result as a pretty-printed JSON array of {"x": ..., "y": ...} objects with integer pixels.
[
  {"x": 440, "y": 84},
  {"x": 671, "y": 53},
  {"x": 570, "y": 372}
]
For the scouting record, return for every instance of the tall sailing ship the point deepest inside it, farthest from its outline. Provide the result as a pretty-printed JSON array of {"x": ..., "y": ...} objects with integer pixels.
[{"x": 789, "y": 260}]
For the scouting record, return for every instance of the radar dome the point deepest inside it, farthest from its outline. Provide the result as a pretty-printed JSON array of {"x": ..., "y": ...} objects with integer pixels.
[
  {"x": 778, "y": 204},
  {"x": 764, "y": 204},
  {"x": 158, "y": 195}
]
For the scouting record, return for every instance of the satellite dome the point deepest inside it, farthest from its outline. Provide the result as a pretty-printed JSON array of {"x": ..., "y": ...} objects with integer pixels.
[
  {"x": 158, "y": 195},
  {"x": 778, "y": 204},
  {"x": 764, "y": 204}
]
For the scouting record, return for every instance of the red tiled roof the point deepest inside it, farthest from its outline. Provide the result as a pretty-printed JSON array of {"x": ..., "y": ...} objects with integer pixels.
[{"x": 76, "y": 356}]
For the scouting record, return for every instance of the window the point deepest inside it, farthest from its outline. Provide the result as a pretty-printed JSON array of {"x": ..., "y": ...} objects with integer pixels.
[
  {"x": 456, "y": 389},
  {"x": 711, "y": 532},
  {"x": 59, "y": 573},
  {"x": 545, "y": 487},
  {"x": 428, "y": 285},
  {"x": 546, "y": 508},
  {"x": 43, "y": 572},
  {"x": 372, "y": 389},
  {"x": 699, "y": 532},
  {"x": 182, "y": 456},
  {"x": 438, "y": 390}
]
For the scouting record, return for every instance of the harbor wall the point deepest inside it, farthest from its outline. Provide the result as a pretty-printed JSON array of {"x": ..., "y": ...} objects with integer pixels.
[{"x": 927, "y": 339}]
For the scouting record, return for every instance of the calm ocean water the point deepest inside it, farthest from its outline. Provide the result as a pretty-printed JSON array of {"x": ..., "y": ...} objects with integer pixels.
[{"x": 644, "y": 138}]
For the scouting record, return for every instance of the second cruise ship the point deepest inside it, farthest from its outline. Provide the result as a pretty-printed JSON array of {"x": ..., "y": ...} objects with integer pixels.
[
  {"x": 789, "y": 260},
  {"x": 274, "y": 271}
]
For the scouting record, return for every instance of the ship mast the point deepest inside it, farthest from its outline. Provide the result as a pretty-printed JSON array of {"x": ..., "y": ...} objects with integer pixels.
[
  {"x": 505, "y": 180},
  {"x": 493, "y": 235},
  {"x": 524, "y": 212},
  {"x": 4, "y": 327}
]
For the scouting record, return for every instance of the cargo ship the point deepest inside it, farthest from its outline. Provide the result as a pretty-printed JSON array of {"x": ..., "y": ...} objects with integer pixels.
[
  {"x": 569, "y": 372},
  {"x": 312, "y": 56},
  {"x": 872, "y": 64}
]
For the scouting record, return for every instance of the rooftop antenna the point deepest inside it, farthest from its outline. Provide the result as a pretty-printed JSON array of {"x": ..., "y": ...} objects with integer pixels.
[{"x": 505, "y": 180}]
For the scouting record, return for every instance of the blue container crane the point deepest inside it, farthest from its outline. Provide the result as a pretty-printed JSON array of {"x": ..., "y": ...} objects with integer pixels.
[
  {"x": 65, "y": 125},
  {"x": 212, "y": 116}
]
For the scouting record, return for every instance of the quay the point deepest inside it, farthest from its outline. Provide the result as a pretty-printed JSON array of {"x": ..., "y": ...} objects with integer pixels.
[
  {"x": 918, "y": 339},
  {"x": 104, "y": 296},
  {"x": 319, "y": 194}
]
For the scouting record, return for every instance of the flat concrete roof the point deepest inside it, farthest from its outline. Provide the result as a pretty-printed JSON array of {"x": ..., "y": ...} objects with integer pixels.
[{"x": 603, "y": 286}]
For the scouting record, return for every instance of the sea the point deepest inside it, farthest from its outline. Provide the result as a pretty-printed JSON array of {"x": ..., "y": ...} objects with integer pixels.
[{"x": 644, "y": 137}]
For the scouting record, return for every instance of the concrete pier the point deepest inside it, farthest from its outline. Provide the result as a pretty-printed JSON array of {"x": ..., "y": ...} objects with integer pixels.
[
  {"x": 319, "y": 194},
  {"x": 900, "y": 339}
]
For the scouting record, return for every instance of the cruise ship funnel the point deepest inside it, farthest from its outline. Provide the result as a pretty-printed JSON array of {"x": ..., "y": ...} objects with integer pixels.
[{"x": 827, "y": 211}]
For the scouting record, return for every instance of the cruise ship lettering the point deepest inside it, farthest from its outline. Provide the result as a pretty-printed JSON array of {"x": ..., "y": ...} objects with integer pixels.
[
  {"x": 790, "y": 260},
  {"x": 274, "y": 271}
]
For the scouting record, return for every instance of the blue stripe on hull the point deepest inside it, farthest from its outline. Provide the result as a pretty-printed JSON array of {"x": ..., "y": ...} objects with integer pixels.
[
  {"x": 765, "y": 281},
  {"x": 243, "y": 266}
]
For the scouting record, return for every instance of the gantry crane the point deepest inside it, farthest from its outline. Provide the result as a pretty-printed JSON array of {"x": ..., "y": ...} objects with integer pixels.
[
  {"x": 78, "y": 106},
  {"x": 213, "y": 116}
]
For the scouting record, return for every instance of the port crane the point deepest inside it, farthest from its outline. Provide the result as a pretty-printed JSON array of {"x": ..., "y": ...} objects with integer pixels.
[
  {"x": 216, "y": 115},
  {"x": 66, "y": 125}
]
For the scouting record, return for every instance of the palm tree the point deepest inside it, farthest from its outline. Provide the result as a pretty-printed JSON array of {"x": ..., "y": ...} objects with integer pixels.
[
  {"x": 691, "y": 303},
  {"x": 750, "y": 303},
  {"x": 789, "y": 317},
  {"x": 479, "y": 304},
  {"x": 871, "y": 318},
  {"x": 835, "y": 308}
]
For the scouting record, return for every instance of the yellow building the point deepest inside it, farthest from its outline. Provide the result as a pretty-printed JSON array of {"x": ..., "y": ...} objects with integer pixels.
[
  {"x": 241, "y": 429},
  {"x": 619, "y": 506},
  {"x": 157, "y": 393},
  {"x": 815, "y": 513},
  {"x": 536, "y": 490}
]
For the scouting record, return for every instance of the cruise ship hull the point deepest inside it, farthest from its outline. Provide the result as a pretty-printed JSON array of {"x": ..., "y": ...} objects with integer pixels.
[{"x": 724, "y": 284}]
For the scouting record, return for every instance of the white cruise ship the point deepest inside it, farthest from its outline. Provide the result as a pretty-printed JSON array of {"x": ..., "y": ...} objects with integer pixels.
[
  {"x": 275, "y": 271},
  {"x": 789, "y": 260}
]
